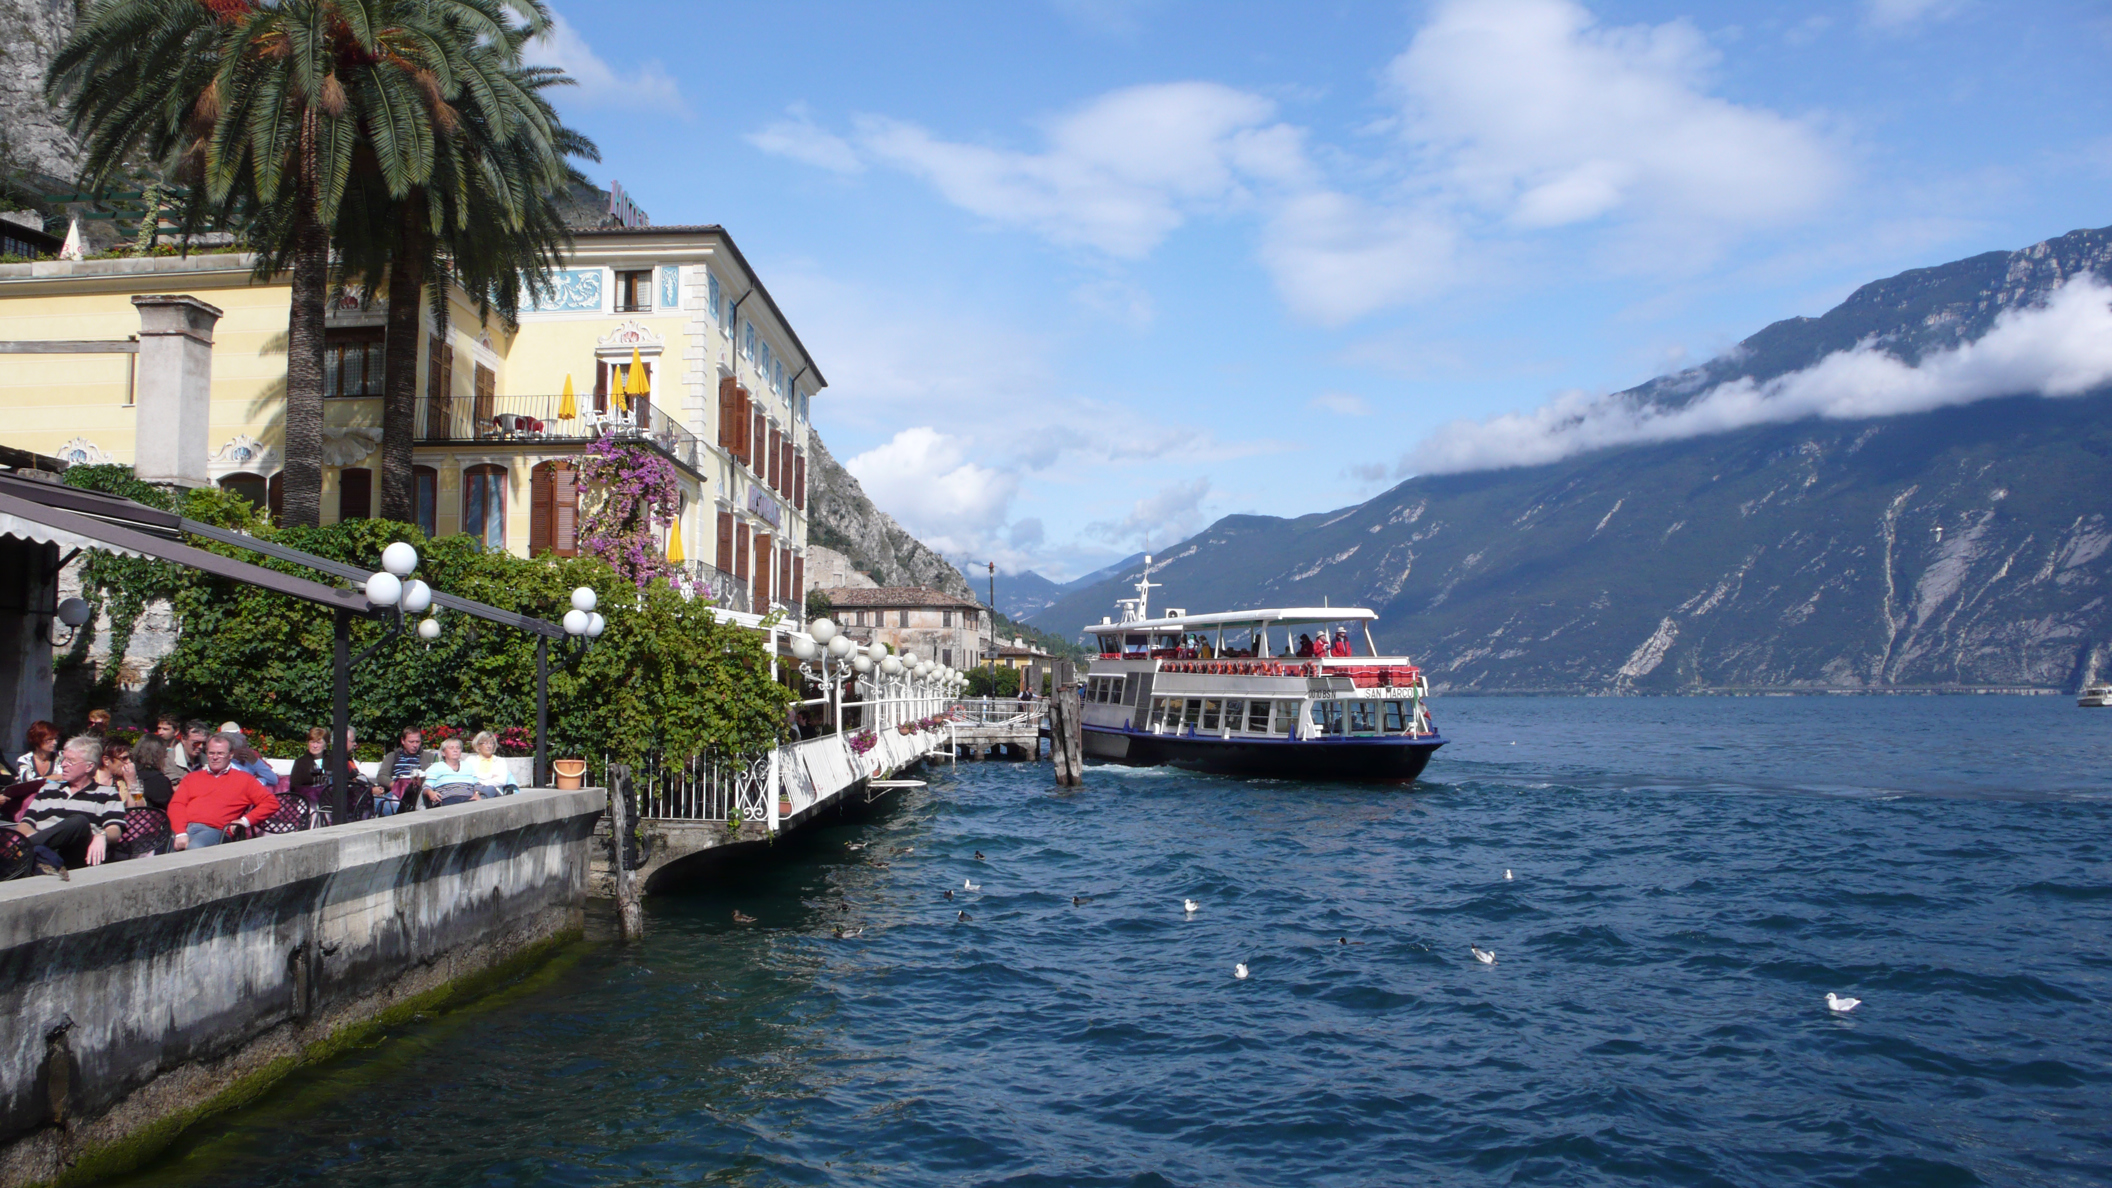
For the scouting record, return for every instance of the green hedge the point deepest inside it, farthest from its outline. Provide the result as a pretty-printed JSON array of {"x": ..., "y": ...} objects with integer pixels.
[{"x": 664, "y": 678}]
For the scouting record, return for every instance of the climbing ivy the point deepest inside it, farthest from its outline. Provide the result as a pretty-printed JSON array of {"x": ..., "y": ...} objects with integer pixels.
[{"x": 665, "y": 677}]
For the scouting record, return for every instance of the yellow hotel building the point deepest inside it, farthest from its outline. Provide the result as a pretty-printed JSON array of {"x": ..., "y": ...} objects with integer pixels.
[{"x": 727, "y": 388}]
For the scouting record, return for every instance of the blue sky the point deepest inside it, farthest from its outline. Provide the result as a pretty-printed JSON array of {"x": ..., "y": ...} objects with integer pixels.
[{"x": 1085, "y": 274}]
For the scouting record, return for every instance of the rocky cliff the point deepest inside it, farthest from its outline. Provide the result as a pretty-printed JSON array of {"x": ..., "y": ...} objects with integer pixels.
[
  {"x": 846, "y": 521},
  {"x": 32, "y": 140},
  {"x": 1967, "y": 546}
]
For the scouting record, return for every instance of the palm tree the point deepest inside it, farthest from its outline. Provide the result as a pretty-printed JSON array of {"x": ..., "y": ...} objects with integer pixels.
[
  {"x": 486, "y": 218},
  {"x": 271, "y": 108}
]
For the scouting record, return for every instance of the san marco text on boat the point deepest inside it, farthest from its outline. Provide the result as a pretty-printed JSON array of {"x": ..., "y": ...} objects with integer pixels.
[{"x": 1208, "y": 693}]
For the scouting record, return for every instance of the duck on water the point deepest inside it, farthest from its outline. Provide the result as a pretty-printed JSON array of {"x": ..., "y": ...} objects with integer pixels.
[{"x": 1246, "y": 693}]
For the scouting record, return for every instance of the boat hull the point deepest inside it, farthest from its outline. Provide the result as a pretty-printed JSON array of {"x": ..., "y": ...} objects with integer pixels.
[{"x": 1384, "y": 759}]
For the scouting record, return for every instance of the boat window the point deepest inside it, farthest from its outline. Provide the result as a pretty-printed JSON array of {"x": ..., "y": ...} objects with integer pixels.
[
  {"x": 1160, "y": 711},
  {"x": 1327, "y": 715},
  {"x": 1286, "y": 717},
  {"x": 1363, "y": 717},
  {"x": 1258, "y": 717},
  {"x": 1235, "y": 713},
  {"x": 1114, "y": 690},
  {"x": 1190, "y": 712},
  {"x": 1396, "y": 717},
  {"x": 1211, "y": 713}
]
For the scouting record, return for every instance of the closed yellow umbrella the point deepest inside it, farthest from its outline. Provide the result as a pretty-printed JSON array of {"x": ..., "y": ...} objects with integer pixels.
[
  {"x": 674, "y": 543},
  {"x": 567, "y": 408},
  {"x": 631, "y": 385}
]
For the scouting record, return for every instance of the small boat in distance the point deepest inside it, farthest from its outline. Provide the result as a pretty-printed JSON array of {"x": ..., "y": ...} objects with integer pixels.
[
  {"x": 1238, "y": 693},
  {"x": 2094, "y": 696}
]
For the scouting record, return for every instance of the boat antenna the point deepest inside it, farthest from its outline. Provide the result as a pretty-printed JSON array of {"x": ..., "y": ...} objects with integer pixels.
[{"x": 1144, "y": 588}]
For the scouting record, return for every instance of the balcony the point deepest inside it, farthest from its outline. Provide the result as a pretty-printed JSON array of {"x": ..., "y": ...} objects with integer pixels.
[{"x": 535, "y": 420}]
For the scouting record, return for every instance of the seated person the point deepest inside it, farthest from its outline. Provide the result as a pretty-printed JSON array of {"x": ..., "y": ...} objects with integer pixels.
[
  {"x": 174, "y": 765},
  {"x": 195, "y": 734},
  {"x": 149, "y": 778},
  {"x": 41, "y": 761},
  {"x": 72, "y": 820},
  {"x": 247, "y": 759},
  {"x": 493, "y": 776},
  {"x": 209, "y": 804},
  {"x": 1305, "y": 645},
  {"x": 110, "y": 773},
  {"x": 400, "y": 775},
  {"x": 450, "y": 781}
]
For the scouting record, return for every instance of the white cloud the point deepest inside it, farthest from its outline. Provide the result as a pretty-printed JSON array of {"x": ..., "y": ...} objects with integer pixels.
[
  {"x": 923, "y": 478},
  {"x": 1335, "y": 257},
  {"x": 2063, "y": 348},
  {"x": 798, "y": 137},
  {"x": 645, "y": 85},
  {"x": 1118, "y": 175},
  {"x": 1175, "y": 511},
  {"x": 1897, "y": 14},
  {"x": 1529, "y": 109},
  {"x": 1347, "y": 404}
]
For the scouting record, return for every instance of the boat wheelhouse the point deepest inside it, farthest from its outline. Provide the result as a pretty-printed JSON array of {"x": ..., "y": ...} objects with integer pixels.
[{"x": 1236, "y": 692}]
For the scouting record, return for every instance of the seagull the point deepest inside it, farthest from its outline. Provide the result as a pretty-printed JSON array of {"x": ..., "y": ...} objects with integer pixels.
[
  {"x": 1190, "y": 906},
  {"x": 963, "y": 917},
  {"x": 1485, "y": 956},
  {"x": 1839, "y": 1005},
  {"x": 1077, "y": 900},
  {"x": 741, "y": 917},
  {"x": 970, "y": 885},
  {"x": 1506, "y": 874},
  {"x": 1239, "y": 969}
]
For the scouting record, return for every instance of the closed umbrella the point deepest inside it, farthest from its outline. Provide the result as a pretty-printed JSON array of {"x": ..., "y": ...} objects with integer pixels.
[
  {"x": 567, "y": 408},
  {"x": 674, "y": 543}
]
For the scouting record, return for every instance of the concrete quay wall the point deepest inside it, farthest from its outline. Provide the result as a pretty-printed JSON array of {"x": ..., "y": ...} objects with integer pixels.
[{"x": 141, "y": 996}]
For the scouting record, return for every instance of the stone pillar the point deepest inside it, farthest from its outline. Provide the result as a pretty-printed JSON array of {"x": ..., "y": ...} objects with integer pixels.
[{"x": 175, "y": 389}]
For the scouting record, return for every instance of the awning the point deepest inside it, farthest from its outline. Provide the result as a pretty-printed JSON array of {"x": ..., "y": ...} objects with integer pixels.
[
  {"x": 38, "y": 521},
  {"x": 26, "y": 529}
]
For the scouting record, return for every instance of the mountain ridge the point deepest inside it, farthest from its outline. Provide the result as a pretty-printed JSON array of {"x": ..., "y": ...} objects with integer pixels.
[{"x": 1959, "y": 547}]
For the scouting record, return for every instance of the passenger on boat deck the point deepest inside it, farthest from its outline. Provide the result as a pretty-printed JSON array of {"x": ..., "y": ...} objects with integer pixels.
[
  {"x": 1202, "y": 648},
  {"x": 1342, "y": 641},
  {"x": 1305, "y": 645}
]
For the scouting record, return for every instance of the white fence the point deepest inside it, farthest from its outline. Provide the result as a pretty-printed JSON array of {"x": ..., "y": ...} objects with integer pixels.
[{"x": 783, "y": 782}]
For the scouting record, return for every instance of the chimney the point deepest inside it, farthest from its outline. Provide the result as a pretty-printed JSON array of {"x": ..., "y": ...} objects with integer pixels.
[{"x": 175, "y": 389}]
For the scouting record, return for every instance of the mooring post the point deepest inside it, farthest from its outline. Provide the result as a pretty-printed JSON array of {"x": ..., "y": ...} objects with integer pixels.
[
  {"x": 630, "y": 919},
  {"x": 1066, "y": 710}
]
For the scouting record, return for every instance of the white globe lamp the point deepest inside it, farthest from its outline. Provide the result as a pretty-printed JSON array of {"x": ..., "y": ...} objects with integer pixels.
[
  {"x": 384, "y": 589},
  {"x": 596, "y": 625},
  {"x": 876, "y": 651},
  {"x": 575, "y": 622},
  {"x": 909, "y": 659},
  {"x": 804, "y": 648},
  {"x": 861, "y": 664},
  {"x": 417, "y": 597},
  {"x": 822, "y": 630},
  {"x": 399, "y": 559},
  {"x": 892, "y": 666},
  {"x": 584, "y": 599},
  {"x": 841, "y": 646},
  {"x": 429, "y": 630}
]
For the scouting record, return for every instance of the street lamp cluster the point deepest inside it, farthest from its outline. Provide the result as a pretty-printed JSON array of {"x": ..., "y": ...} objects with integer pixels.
[
  {"x": 393, "y": 586},
  {"x": 904, "y": 678},
  {"x": 583, "y": 621}
]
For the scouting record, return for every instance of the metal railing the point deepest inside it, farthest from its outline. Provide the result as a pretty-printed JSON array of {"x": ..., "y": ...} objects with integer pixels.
[
  {"x": 702, "y": 789},
  {"x": 719, "y": 588},
  {"x": 996, "y": 711},
  {"x": 517, "y": 418}
]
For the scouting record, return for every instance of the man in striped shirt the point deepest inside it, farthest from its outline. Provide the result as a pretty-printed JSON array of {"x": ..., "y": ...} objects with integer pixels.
[{"x": 72, "y": 820}]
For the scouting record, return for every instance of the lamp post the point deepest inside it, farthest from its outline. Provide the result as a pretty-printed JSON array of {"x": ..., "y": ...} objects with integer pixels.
[
  {"x": 825, "y": 658},
  {"x": 390, "y": 588}
]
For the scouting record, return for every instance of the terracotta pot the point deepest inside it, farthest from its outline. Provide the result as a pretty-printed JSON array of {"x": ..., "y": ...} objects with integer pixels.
[{"x": 571, "y": 773}]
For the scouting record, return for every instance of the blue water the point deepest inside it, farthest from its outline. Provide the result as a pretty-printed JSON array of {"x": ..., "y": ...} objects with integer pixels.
[{"x": 1691, "y": 877}]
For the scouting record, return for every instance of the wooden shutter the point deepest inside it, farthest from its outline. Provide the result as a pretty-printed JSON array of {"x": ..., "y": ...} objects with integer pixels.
[
  {"x": 777, "y": 473},
  {"x": 542, "y": 508},
  {"x": 784, "y": 451},
  {"x": 799, "y": 578},
  {"x": 785, "y": 586},
  {"x": 729, "y": 416},
  {"x": 355, "y": 493},
  {"x": 740, "y": 551},
  {"x": 799, "y": 480},
  {"x": 564, "y": 507},
  {"x": 601, "y": 387},
  {"x": 758, "y": 441},
  {"x": 725, "y": 562},
  {"x": 487, "y": 396},
  {"x": 762, "y": 573},
  {"x": 439, "y": 389},
  {"x": 740, "y": 423}
]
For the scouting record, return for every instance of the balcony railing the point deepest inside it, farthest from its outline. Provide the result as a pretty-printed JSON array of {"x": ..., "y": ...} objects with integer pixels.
[
  {"x": 535, "y": 419},
  {"x": 717, "y": 587}
]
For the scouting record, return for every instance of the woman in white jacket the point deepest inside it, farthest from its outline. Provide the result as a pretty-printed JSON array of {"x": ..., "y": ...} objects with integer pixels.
[{"x": 493, "y": 776}]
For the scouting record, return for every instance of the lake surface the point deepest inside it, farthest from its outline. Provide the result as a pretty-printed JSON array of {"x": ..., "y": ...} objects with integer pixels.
[{"x": 1691, "y": 876}]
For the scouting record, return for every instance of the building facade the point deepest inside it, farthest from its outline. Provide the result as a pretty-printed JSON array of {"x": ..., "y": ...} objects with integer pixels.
[
  {"x": 665, "y": 335},
  {"x": 936, "y": 626}
]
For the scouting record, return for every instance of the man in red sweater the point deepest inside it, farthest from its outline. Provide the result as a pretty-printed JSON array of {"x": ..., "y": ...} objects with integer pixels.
[{"x": 210, "y": 802}]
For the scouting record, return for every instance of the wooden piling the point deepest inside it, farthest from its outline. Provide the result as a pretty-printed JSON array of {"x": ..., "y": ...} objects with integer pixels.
[
  {"x": 630, "y": 918},
  {"x": 1066, "y": 740}
]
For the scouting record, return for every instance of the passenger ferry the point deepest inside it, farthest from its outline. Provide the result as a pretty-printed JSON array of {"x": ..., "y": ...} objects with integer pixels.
[{"x": 1231, "y": 693}]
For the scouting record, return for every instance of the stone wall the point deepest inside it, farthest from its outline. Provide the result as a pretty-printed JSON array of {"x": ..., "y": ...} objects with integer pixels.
[
  {"x": 31, "y": 136},
  {"x": 144, "y": 995}
]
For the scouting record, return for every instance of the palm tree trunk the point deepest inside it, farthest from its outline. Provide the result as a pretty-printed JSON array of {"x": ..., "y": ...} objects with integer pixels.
[
  {"x": 304, "y": 371},
  {"x": 399, "y": 400}
]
